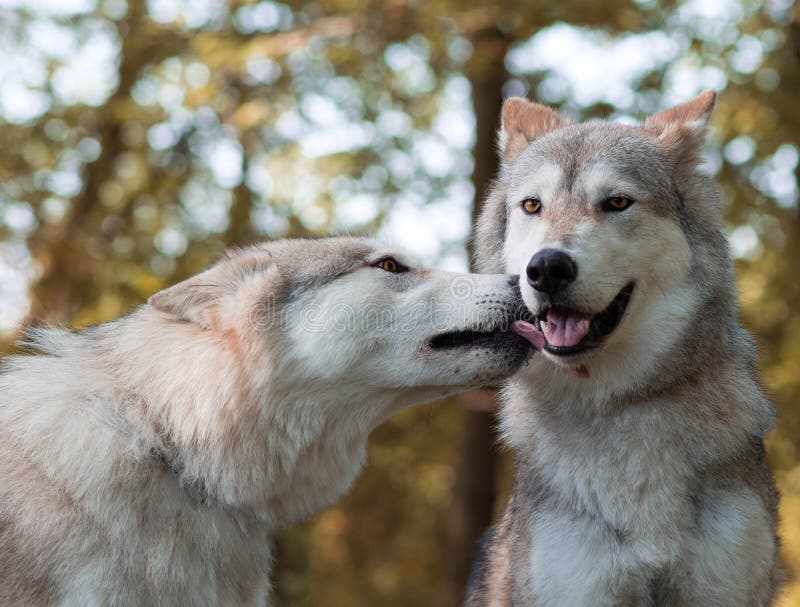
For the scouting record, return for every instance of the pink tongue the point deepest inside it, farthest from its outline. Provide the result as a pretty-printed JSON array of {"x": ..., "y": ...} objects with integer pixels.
[
  {"x": 564, "y": 329},
  {"x": 529, "y": 332}
]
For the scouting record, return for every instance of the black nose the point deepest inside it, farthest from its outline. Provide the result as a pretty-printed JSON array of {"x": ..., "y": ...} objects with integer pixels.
[{"x": 551, "y": 271}]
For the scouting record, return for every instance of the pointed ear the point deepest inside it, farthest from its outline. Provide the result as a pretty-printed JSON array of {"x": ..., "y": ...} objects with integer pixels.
[
  {"x": 193, "y": 300},
  {"x": 523, "y": 122},
  {"x": 681, "y": 130}
]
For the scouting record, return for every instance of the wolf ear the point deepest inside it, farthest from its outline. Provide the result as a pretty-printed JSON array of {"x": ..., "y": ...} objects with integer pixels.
[
  {"x": 523, "y": 122},
  {"x": 681, "y": 130},
  {"x": 193, "y": 300}
]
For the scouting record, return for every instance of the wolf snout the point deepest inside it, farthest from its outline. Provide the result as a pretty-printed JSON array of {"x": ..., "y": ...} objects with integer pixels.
[{"x": 551, "y": 271}]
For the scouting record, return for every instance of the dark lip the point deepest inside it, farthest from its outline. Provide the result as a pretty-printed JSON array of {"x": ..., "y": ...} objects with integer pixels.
[
  {"x": 465, "y": 338},
  {"x": 602, "y": 324},
  {"x": 478, "y": 337}
]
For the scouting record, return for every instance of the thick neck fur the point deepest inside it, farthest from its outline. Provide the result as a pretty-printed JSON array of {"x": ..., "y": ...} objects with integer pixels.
[
  {"x": 699, "y": 405},
  {"x": 237, "y": 439}
]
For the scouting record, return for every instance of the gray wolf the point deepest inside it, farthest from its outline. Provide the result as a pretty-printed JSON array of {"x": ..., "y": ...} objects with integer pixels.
[
  {"x": 639, "y": 429},
  {"x": 146, "y": 460}
]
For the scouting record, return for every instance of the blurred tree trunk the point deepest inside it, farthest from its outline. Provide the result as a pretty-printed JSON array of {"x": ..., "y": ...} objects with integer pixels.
[{"x": 474, "y": 493}]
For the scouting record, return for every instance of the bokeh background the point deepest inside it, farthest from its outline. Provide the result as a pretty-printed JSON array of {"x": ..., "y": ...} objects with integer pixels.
[{"x": 138, "y": 139}]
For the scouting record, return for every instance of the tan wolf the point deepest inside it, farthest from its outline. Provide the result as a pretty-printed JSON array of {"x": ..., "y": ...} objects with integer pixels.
[
  {"x": 639, "y": 430},
  {"x": 145, "y": 461}
]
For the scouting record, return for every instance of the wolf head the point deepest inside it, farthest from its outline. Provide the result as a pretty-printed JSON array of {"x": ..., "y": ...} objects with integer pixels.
[
  {"x": 615, "y": 235},
  {"x": 351, "y": 315}
]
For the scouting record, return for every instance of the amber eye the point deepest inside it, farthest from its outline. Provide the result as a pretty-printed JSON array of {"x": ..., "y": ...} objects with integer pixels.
[
  {"x": 531, "y": 205},
  {"x": 389, "y": 264},
  {"x": 617, "y": 203}
]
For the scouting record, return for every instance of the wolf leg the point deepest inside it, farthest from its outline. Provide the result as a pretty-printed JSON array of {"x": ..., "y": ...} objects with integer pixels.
[{"x": 489, "y": 584}]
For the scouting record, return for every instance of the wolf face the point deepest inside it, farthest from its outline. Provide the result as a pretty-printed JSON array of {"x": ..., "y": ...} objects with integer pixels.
[
  {"x": 352, "y": 313},
  {"x": 330, "y": 337},
  {"x": 590, "y": 218}
]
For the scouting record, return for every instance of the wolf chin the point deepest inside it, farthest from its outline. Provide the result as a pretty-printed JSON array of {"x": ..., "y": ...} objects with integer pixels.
[
  {"x": 145, "y": 461},
  {"x": 639, "y": 429}
]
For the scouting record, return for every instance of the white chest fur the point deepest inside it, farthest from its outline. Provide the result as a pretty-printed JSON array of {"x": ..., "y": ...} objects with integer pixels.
[{"x": 623, "y": 501}]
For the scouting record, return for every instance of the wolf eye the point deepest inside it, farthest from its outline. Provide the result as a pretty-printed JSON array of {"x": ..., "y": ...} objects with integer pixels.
[
  {"x": 617, "y": 203},
  {"x": 531, "y": 206},
  {"x": 389, "y": 264}
]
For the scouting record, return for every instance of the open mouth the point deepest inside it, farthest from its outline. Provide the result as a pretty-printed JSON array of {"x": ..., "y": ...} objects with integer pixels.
[{"x": 563, "y": 331}]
